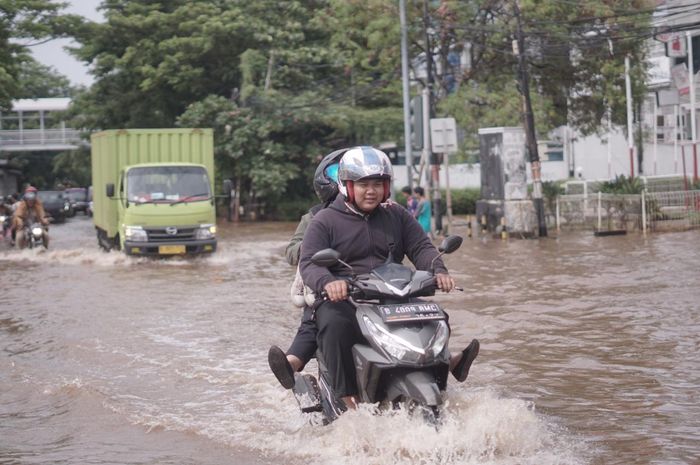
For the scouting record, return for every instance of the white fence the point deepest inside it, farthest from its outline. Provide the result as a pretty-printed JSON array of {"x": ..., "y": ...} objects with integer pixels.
[{"x": 655, "y": 211}]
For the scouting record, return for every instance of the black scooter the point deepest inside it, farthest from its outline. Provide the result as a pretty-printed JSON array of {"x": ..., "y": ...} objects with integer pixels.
[{"x": 405, "y": 360}]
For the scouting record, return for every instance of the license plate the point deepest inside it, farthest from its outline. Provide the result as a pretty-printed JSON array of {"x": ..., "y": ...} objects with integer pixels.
[
  {"x": 172, "y": 249},
  {"x": 411, "y": 312}
]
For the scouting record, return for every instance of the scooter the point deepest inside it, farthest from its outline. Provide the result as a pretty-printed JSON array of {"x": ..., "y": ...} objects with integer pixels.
[
  {"x": 5, "y": 229},
  {"x": 405, "y": 360},
  {"x": 34, "y": 235}
]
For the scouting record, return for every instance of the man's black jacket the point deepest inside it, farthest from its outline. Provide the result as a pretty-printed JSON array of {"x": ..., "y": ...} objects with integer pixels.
[{"x": 363, "y": 241}]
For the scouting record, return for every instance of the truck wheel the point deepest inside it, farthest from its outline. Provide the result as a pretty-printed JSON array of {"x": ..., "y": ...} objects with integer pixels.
[{"x": 102, "y": 241}]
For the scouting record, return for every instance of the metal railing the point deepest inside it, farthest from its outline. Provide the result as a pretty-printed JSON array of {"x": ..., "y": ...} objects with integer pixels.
[
  {"x": 654, "y": 211},
  {"x": 659, "y": 183},
  {"x": 673, "y": 210},
  {"x": 16, "y": 139}
]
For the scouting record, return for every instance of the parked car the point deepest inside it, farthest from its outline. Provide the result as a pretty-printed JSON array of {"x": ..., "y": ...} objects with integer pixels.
[
  {"x": 78, "y": 198},
  {"x": 56, "y": 205}
]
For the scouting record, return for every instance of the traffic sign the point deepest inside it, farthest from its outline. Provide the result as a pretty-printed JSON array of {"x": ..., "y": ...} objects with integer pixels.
[{"x": 443, "y": 135}]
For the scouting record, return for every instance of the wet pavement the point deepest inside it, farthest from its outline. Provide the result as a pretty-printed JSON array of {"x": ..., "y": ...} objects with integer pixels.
[{"x": 590, "y": 355}]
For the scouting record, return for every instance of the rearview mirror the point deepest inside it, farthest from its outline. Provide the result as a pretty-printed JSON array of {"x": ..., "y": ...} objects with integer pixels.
[
  {"x": 109, "y": 189},
  {"x": 450, "y": 244},
  {"x": 326, "y": 258}
]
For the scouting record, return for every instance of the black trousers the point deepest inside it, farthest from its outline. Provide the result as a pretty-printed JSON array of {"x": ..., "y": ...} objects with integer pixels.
[
  {"x": 338, "y": 331},
  {"x": 304, "y": 344}
]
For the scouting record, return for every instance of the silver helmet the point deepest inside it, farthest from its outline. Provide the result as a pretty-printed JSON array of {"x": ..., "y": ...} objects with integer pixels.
[{"x": 363, "y": 163}]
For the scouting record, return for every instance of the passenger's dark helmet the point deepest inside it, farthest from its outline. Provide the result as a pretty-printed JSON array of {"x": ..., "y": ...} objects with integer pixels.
[{"x": 326, "y": 176}]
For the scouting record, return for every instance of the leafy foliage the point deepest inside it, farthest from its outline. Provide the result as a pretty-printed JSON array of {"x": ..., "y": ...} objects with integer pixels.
[
  {"x": 23, "y": 23},
  {"x": 283, "y": 83},
  {"x": 622, "y": 185}
]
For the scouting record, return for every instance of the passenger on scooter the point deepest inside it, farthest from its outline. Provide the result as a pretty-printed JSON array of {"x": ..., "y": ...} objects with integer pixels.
[
  {"x": 304, "y": 346},
  {"x": 29, "y": 210},
  {"x": 365, "y": 230}
]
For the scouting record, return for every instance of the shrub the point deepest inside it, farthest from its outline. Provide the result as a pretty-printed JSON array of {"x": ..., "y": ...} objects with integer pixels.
[
  {"x": 290, "y": 209},
  {"x": 463, "y": 201}
]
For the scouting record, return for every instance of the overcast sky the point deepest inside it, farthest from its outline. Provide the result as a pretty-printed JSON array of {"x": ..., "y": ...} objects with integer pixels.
[{"x": 53, "y": 54}]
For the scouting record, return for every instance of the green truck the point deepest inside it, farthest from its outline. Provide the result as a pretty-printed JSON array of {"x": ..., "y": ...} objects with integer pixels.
[{"x": 153, "y": 191}]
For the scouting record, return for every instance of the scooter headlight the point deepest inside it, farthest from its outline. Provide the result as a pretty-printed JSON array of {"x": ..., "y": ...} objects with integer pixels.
[
  {"x": 2, "y": 218},
  {"x": 393, "y": 345},
  {"x": 37, "y": 231},
  {"x": 440, "y": 339},
  {"x": 135, "y": 234},
  {"x": 205, "y": 231}
]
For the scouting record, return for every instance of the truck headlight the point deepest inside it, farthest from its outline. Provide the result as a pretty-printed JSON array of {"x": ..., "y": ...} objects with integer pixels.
[
  {"x": 393, "y": 345},
  {"x": 135, "y": 234},
  {"x": 205, "y": 231}
]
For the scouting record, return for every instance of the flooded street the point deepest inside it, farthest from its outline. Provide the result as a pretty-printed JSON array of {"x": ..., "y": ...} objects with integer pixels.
[{"x": 590, "y": 354}]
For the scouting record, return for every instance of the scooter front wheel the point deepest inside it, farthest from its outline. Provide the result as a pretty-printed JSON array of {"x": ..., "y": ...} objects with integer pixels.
[{"x": 429, "y": 413}]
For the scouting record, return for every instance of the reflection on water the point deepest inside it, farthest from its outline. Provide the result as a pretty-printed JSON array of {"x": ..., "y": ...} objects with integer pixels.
[{"x": 589, "y": 355}]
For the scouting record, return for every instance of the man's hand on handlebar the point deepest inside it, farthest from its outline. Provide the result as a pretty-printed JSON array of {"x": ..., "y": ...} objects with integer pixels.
[
  {"x": 337, "y": 290},
  {"x": 445, "y": 282}
]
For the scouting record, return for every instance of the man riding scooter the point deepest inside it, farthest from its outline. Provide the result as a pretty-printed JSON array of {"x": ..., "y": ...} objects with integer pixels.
[{"x": 28, "y": 212}]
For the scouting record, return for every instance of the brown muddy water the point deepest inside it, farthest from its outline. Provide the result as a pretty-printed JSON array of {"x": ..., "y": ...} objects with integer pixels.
[{"x": 590, "y": 355}]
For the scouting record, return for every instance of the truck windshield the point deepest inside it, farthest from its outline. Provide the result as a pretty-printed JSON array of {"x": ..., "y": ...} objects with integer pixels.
[{"x": 167, "y": 184}]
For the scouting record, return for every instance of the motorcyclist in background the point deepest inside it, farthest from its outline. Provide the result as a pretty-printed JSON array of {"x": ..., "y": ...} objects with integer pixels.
[
  {"x": 6, "y": 215},
  {"x": 29, "y": 211}
]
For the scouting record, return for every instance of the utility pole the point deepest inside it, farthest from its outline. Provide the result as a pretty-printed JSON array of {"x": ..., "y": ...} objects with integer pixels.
[
  {"x": 628, "y": 93},
  {"x": 529, "y": 123},
  {"x": 428, "y": 109},
  {"x": 408, "y": 150},
  {"x": 693, "y": 124}
]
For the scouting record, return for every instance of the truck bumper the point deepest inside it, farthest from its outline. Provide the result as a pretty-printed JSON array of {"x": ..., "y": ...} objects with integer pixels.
[{"x": 169, "y": 248}]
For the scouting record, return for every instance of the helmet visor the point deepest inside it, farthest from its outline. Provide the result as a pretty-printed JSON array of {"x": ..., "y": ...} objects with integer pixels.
[
  {"x": 332, "y": 172},
  {"x": 29, "y": 195}
]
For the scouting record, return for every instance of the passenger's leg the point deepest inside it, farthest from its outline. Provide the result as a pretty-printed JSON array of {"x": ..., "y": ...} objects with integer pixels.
[
  {"x": 300, "y": 352},
  {"x": 304, "y": 345}
]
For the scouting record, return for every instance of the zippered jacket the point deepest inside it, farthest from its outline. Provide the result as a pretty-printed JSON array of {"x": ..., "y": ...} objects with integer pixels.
[{"x": 363, "y": 241}]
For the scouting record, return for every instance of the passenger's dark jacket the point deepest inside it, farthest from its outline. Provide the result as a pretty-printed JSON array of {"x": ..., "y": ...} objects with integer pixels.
[{"x": 363, "y": 241}]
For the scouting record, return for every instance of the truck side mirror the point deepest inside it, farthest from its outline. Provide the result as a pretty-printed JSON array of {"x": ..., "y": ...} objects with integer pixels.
[
  {"x": 228, "y": 187},
  {"x": 109, "y": 189}
]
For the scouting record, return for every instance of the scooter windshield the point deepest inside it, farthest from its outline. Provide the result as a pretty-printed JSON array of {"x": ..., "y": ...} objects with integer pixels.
[{"x": 394, "y": 273}]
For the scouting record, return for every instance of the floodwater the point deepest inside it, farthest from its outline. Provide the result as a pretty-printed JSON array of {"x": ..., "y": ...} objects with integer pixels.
[{"x": 590, "y": 355}]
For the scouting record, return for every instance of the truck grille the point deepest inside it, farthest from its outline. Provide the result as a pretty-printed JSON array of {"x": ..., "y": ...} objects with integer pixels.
[{"x": 162, "y": 235}]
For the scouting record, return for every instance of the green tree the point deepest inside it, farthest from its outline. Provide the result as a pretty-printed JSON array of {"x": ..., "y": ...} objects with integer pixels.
[
  {"x": 38, "y": 81},
  {"x": 72, "y": 169},
  {"x": 574, "y": 50},
  {"x": 272, "y": 75},
  {"x": 24, "y": 23}
]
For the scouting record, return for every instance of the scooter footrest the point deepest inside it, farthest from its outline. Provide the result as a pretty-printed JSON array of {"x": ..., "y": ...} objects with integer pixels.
[{"x": 307, "y": 393}]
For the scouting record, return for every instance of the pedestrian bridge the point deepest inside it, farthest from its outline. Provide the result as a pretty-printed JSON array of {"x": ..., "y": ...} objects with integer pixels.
[{"x": 37, "y": 125}]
